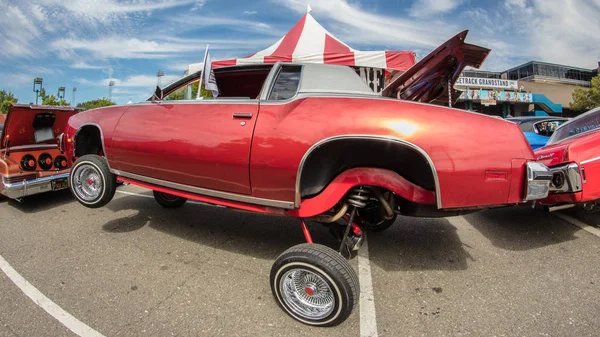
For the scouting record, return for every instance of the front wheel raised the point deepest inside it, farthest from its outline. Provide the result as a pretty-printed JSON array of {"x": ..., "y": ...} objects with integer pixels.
[
  {"x": 168, "y": 200},
  {"x": 315, "y": 285},
  {"x": 91, "y": 181}
]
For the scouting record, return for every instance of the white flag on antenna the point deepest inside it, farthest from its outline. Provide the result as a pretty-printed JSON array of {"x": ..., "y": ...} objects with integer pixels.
[{"x": 208, "y": 76}]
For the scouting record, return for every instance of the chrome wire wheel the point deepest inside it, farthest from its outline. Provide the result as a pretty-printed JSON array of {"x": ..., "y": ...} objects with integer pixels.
[
  {"x": 314, "y": 284},
  {"x": 88, "y": 182},
  {"x": 307, "y": 293}
]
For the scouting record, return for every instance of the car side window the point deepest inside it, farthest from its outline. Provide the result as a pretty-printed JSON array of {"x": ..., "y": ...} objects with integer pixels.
[
  {"x": 185, "y": 93},
  {"x": 287, "y": 83}
]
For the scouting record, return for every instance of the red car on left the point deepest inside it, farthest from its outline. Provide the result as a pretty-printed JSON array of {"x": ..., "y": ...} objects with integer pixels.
[{"x": 31, "y": 152}]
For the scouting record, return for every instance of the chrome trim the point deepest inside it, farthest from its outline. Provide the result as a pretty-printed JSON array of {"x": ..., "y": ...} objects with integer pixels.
[
  {"x": 207, "y": 192},
  {"x": 201, "y": 101},
  {"x": 572, "y": 178},
  {"x": 589, "y": 160},
  {"x": 583, "y": 175},
  {"x": 369, "y": 137},
  {"x": 242, "y": 115},
  {"x": 30, "y": 187},
  {"x": 101, "y": 140},
  {"x": 538, "y": 180}
]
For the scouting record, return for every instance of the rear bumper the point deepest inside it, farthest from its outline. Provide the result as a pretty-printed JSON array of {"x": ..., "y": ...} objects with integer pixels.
[
  {"x": 538, "y": 181},
  {"x": 29, "y": 187}
]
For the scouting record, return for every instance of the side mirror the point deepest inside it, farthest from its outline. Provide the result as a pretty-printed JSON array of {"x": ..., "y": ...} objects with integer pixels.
[{"x": 158, "y": 94}]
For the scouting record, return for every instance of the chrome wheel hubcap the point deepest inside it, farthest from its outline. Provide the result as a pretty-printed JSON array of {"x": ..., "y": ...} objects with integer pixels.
[
  {"x": 87, "y": 182},
  {"x": 307, "y": 294}
]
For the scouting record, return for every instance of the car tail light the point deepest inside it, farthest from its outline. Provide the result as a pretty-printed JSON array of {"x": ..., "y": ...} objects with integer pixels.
[
  {"x": 28, "y": 163},
  {"x": 60, "y": 162},
  {"x": 45, "y": 161},
  {"x": 19, "y": 178}
]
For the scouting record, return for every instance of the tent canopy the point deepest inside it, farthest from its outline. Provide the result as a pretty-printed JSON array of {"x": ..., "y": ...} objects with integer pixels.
[{"x": 309, "y": 42}]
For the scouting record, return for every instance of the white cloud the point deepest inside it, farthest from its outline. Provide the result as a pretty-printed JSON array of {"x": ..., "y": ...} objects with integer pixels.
[
  {"x": 103, "y": 10},
  {"x": 134, "y": 81},
  {"x": 250, "y": 12},
  {"x": 84, "y": 65},
  {"x": 425, "y": 8},
  {"x": 568, "y": 34}
]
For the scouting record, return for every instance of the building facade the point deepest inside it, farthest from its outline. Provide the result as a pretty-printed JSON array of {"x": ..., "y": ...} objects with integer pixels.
[{"x": 533, "y": 88}]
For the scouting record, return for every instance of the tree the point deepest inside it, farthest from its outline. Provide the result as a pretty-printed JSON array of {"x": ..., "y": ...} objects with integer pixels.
[
  {"x": 6, "y": 100},
  {"x": 587, "y": 98},
  {"x": 97, "y": 103},
  {"x": 51, "y": 99}
]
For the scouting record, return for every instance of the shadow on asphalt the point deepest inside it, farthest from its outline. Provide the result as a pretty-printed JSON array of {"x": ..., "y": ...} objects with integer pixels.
[
  {"x": 592, "y": 219},
  {"x": 521, "y": 228},
  {"x": 42, "y": 202},
  {"x": 411, "y": 244},
  {"x": 261, "y": 236},
  {"x": 418, "y": 244}
]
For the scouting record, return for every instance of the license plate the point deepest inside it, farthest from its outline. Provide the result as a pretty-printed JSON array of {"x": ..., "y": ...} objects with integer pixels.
[{"x": 60, "y": 184}]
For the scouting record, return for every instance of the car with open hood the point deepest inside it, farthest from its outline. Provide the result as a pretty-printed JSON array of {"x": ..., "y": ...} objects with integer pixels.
[
  {"x": 314, "y": 142},
  {"x": 32, "y": 158},
  {"x": 573, "y": 155}
]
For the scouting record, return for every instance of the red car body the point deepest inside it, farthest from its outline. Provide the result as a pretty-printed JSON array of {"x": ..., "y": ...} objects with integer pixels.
[
  {"x": 254, "y": 153},
  {"x": 32, "y": 160},
  {"x": 314, "y": 142},
  {"x": 573, "y": 155}
]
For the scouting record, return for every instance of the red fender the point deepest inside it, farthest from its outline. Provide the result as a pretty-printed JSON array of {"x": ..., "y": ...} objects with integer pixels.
[{"x": 362, "y": 176}]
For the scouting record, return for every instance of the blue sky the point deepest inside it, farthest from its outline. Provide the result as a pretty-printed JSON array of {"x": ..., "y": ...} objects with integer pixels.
[{"x": 83, "y": 43}]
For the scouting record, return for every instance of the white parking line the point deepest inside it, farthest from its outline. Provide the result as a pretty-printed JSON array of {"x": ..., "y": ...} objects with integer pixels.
[
  {"x": 368, "y": 318},
  {"x": 72, "y": 323},
  {"x": 578, "y": 223}
]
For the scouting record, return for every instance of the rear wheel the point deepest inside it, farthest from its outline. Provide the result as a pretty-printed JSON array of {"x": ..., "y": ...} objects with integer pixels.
[
  {"x": 168, "y": 200},
  {"x": 315, "y": 285},
  {"x": 91, "y": 181}
]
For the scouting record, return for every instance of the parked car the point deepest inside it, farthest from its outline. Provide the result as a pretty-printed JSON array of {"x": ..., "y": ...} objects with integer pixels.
[
  {"x": 311, "y": 141},
  {"x": 573, "y": 155},
  {"x": 32, "y": 159},
  {"x": 538, "y": 129}
]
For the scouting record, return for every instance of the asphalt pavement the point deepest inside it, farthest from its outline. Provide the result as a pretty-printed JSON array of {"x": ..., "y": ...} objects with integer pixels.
[{"x": 133, "y": 268}]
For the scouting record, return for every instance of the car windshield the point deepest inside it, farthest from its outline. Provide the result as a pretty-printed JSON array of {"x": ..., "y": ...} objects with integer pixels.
[
  {"x": 547, "y": 128},
  {"x": 588, "y": 122}
]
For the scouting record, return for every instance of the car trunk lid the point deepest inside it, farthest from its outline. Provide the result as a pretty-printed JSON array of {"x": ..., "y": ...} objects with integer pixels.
[
  {"x": 34, "y": 124},
  {"x": 428, "y": 80}
]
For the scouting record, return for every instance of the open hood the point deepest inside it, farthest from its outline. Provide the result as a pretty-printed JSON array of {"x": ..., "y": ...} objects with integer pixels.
[
  {"x": 34, "y": 124},
  {"x": 428, "y": 80}
]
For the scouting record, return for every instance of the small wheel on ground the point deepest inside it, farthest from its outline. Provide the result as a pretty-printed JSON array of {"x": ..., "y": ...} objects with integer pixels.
[
  {"x": 91, "y": 181},
  {"x": 315, "y": 285},
  {"x": 168, "y": 200}
]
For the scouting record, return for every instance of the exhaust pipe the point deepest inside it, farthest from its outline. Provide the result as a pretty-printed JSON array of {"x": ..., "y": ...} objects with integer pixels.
[{"x": 559, "y": 208}]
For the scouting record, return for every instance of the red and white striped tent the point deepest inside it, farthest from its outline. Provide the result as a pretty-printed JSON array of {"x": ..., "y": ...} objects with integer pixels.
[{"x": 309, "y": 42}]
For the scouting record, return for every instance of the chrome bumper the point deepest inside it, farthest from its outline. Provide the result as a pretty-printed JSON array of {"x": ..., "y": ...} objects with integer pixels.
[
  {"x": 566, "y": 179},
  {"x": 538, "y": 181},
  {"x": 29, "y": 187}
]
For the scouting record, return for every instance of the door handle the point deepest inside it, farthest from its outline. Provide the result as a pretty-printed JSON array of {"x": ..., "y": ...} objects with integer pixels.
[{"x": 242, "y": 115}]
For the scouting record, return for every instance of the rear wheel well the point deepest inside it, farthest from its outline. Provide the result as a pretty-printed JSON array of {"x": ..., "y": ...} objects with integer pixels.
[
  {"x": 328, "y": 160},
  {"x": 88, "y": 140}
]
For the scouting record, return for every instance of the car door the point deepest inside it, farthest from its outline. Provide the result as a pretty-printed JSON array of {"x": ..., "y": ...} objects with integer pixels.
[{"x": 198, "y": 143}]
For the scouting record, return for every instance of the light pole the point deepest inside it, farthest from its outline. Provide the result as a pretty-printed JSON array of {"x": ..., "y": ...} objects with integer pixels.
[
  {"x": 73, "y": 99},
  {"x": 61, "y": 93},
  {"x": 111, "y": 84},
  {"x": 37, "y": 87},
  {"x": 160, "y": 74}
]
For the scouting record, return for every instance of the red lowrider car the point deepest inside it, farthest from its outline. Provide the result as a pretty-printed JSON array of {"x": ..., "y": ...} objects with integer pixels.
[
  {"x": 32, "y": 160},
  {"x": 573, "y": 155},
  {"x": 313, "y": 142}
]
